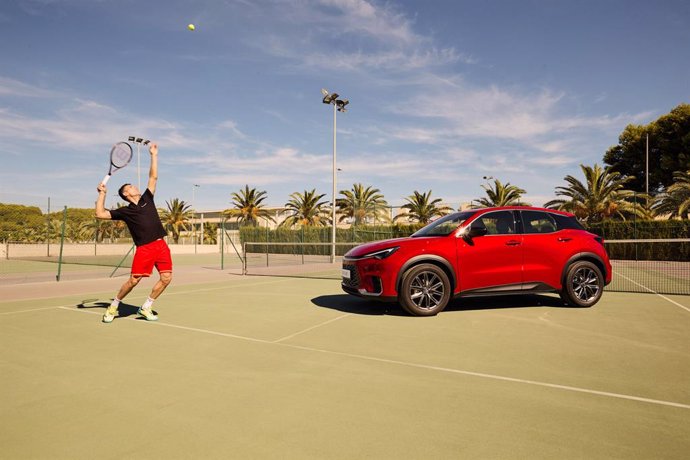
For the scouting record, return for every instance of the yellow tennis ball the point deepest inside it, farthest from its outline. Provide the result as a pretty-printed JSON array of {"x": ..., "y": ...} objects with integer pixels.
[{"x": 191, "y": 27}]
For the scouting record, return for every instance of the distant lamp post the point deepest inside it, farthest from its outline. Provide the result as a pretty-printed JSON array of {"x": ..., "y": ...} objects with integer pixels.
[
  {"x": 338, "y": 106},
  {"x": 139, "y": 141}
]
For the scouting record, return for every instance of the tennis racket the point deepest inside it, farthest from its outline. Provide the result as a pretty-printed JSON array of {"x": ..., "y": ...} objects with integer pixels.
[{"x": 120, "y": 155}]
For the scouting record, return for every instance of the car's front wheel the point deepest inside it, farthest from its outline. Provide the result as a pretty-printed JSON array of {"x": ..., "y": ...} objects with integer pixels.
[
  {"x": 425, "y": 290},
  {"x": 583, "y": 284}
]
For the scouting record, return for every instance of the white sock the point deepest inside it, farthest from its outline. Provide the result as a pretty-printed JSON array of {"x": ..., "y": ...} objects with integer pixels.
[
  {"x": 115, "y": 303},
  {"x": 148, "y": 304}
]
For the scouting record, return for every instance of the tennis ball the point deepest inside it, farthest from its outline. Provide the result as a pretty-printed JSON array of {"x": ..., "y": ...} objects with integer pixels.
[{"x": 191, "y": 27}]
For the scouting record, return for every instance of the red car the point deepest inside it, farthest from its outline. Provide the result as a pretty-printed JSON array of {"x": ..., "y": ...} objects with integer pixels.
[{"x": 482, "y": 252}]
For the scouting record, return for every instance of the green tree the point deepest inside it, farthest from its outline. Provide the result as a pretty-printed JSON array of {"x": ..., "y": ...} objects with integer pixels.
[
  {"x": 669, "y": 150},
  {"x": 502, "y": 195},
  {"x": 210, "y": 233},
  {"x": 362, "y": 203},
  {"x": 305, "y": 209},
  {"x": 176, "y": 218},
  {"x": 675, "y": 200},
  {"x": 421, "y": 208},
  {"x": 602, "y": 196},
  {"x": 249, "y": 207}
]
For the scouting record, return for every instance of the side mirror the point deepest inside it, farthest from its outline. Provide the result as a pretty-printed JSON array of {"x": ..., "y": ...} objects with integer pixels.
[{"x": 474, "y": 232}]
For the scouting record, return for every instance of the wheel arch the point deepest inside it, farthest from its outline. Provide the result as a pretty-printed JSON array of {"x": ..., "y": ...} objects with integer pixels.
[
  {"x": 439, "y": 261},
  {"x": 587, "y": 256}
]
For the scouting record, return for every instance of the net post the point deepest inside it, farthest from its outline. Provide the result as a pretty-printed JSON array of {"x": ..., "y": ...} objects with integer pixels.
[
  {"x": 62, "y": 243},
  {"x": 244, "y": 259}
]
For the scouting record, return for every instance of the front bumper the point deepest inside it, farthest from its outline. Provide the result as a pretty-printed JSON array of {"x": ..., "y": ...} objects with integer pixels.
[{"x": 364, "y": 280}]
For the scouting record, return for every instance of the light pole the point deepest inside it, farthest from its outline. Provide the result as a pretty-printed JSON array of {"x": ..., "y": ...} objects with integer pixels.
[
  {"x": 139, "y": 141},
  {"x": 338, "y": 106},
  {"x": 194, "y": 187}
]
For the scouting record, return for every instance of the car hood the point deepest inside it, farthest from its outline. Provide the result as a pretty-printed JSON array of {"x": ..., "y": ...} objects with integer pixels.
[{"x": 368, "y": 248}]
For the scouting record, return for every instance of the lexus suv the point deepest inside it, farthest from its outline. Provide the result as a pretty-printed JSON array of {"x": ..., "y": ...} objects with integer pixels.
[{"x": 482, "y": 252}]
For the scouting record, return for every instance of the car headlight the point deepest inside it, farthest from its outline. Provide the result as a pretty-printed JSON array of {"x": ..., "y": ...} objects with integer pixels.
[{"x": 382, "y": 254}]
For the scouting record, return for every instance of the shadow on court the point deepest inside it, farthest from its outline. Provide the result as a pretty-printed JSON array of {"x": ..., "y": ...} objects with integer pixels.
[
  {"x": 124, "y": 310},
  {"x": 349, "y": 304}
]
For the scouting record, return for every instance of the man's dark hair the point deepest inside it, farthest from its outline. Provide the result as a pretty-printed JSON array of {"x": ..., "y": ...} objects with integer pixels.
[{"x": 121, "y": 192}]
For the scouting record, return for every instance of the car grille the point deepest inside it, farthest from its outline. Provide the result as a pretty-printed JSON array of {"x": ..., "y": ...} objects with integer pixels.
[{"x": 354, "y": 276}]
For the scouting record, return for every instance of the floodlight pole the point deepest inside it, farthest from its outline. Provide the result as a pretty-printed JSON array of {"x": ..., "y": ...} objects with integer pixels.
[
  {"x": 138, "y": 141},
  {"x": 338, "y": 106},
  {"x": 335, "y": 110},
  {"x": 194, "y": 187}
]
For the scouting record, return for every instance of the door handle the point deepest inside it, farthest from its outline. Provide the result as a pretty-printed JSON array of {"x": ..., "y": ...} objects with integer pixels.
[
  {"x": 564, "y": 239},
  {"x": 512, "y": 243}
]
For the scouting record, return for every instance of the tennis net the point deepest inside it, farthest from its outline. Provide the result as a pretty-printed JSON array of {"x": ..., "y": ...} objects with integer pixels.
[
  {"x": 650, "y": 265},
  {"x": 303, "y": 260}
]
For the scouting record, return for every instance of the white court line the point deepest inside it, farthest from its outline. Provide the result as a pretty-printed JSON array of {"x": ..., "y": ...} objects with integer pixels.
[
  {"x": 654, "y": 292},
  {"x": 424, "y": 366},
  {"x": 34, "y": 309},
  {"x": 312, "y": 328},
  {"x": 144, "y": 296}
]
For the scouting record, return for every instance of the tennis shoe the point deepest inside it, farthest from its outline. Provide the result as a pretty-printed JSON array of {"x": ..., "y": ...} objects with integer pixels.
[
  {"x": 110, "y": 314},
  {"x": 147, "y": 314}
]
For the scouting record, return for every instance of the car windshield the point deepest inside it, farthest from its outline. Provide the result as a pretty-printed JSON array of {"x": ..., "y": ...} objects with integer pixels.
[{"x": 445, "y": 225}]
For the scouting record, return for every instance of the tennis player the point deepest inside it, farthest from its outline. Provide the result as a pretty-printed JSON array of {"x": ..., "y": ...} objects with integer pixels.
[{"x": 141, "y": 217}]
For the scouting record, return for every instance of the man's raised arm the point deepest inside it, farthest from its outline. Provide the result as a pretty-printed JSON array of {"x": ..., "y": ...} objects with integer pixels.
[
  {"x": 153, "y": 172},
  {"x": 101, "y": 212}
]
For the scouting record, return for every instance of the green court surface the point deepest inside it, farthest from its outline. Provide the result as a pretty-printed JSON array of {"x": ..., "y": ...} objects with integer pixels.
[{"x": 275, "y": 367}]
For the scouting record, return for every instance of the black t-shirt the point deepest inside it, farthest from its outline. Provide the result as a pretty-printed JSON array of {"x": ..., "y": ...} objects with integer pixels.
[{"x": 141, "y": 219}]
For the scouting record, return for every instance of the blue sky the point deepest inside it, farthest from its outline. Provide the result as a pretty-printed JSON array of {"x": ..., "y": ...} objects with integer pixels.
[{"x": 442, "y": 93}]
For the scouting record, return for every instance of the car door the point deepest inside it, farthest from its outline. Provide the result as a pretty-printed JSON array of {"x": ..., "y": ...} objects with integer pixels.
[
  {"x": 492, "y": 261},
  {"x": 545, "y": 248}
]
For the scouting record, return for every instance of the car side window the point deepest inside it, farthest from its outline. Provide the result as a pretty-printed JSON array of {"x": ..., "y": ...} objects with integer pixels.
[
  {"x": 496, "y": 223},
  {"x": 538, "y": 222}
]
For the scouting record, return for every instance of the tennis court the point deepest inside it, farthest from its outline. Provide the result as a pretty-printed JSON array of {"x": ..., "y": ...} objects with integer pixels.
[{"x": 282, "y": 367}]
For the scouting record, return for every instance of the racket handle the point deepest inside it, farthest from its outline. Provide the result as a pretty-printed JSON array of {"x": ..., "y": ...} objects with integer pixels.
[{"x": 105, "y": 179}]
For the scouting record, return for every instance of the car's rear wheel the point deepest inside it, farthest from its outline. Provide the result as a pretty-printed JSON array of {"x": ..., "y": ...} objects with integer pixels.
[
  {"x": 425, "y": 290},
  {"x": 583, "y": 284}
]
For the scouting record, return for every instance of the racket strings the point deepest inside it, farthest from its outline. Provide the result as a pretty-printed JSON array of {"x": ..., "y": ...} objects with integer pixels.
[{"x": 120, "y": 156}]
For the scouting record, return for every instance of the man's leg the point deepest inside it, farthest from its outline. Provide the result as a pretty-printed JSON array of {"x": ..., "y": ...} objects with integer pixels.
[
  {"x": 158, "y": 288},
  {"x": 126, "y": 288}
]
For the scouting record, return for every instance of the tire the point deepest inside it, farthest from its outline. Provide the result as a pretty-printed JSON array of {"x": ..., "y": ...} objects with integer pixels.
[
  {"x": 583, "y": 284},
  {"x": 425, "y": 290}
]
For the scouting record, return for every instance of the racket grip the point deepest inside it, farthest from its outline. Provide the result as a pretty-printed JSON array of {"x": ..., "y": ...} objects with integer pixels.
[{"x": 105, "y": 179}]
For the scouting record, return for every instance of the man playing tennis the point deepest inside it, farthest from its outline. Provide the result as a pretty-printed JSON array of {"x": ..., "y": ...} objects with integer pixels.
[{"x": 141, "y": 217}]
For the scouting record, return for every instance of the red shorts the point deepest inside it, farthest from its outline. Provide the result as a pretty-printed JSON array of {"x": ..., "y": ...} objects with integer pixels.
[{"x": 153, "y": 254}]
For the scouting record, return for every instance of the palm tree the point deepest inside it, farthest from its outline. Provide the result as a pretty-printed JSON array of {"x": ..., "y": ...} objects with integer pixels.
[
  {"x": 176, "y": 217},
  {"x": 421, "y": 209},
  {"x": 248, "y": 206},
  {"x": 675, "y": 200},
  {"x": 305, "y": 209},
  {"x": 502, "y": 195},
  {"x": 362, "y": 203},
  {"x": 603, "y": 196}
]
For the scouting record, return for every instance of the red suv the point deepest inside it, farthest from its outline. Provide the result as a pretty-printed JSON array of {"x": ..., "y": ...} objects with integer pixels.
[{"x": 491, "y": 251}]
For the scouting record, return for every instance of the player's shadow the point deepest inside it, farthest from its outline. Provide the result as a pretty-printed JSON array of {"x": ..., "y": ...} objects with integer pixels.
[
  {"x": 359, "y": 306},
  {"x": 123, "y": 310}
]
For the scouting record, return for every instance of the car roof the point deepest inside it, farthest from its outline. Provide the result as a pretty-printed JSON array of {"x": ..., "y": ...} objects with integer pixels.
[{"x": 521, "y": 208}]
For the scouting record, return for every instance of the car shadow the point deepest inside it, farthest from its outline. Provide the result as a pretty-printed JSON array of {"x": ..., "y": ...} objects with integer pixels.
[
  {"x": 358, "y": 306},
  {"x": 123, "y": 310},
  {"x": 355, "y": 305}
]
